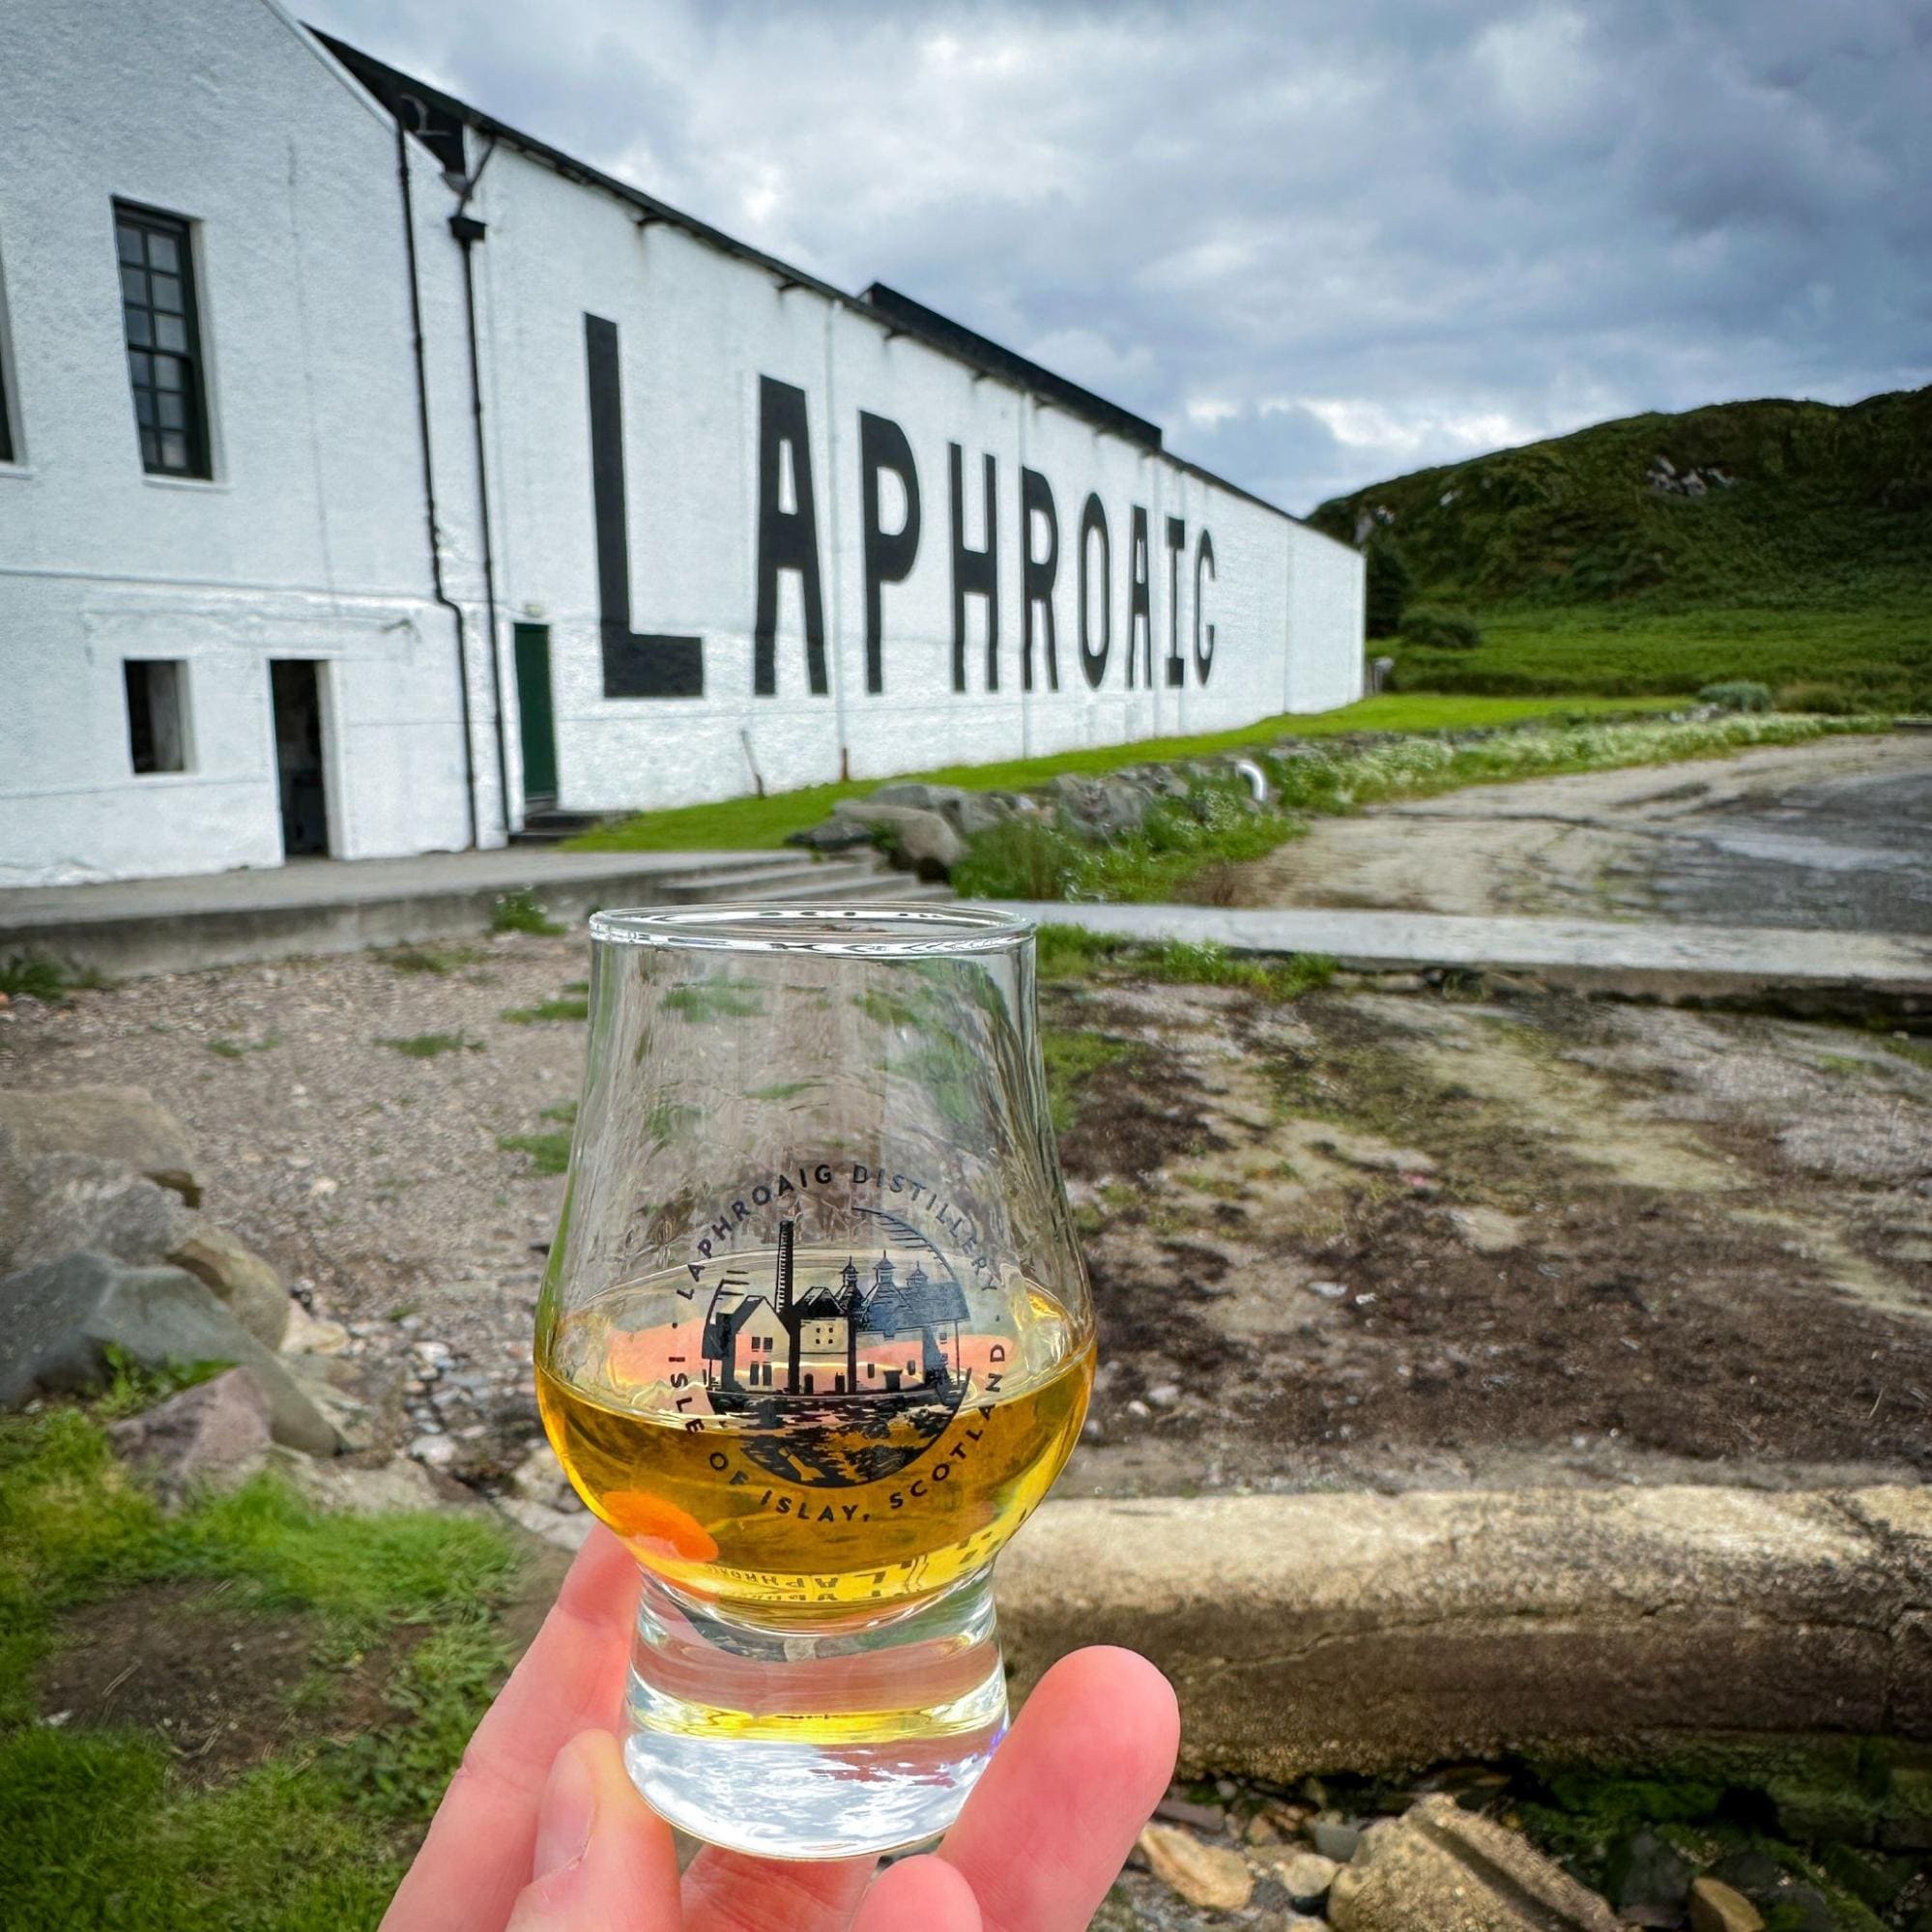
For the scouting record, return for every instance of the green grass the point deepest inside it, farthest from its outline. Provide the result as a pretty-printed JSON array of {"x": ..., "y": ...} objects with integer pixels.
[
  {"x": 1072, "y": 953},
  {"x": 40, "y": 976},
  {"x": 549, "y": 1153},
  {"x": 427, "y": 1045},
  {"x": 98, "y": 1827},
  {"x": 1876, "y": 657},
  {"x": 752, "y": 825},
  {"x": 1073, "y": 1056},
  {"x": 563, "y": 1008},
  {"x": 519, "y": 912}
]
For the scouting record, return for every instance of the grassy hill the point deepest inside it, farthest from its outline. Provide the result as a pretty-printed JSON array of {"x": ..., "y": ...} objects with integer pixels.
[{"x": 1785, "y": 541}]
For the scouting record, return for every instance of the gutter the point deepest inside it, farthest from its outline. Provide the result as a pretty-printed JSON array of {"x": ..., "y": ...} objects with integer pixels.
[
  {"x": 469, "y": 231},
  {"x": 442, "y": 595}
]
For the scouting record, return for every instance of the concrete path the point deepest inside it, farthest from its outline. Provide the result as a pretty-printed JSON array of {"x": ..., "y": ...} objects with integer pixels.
[
  {"x": 1653, "y": 961},
  {"x": 129, "y": 927}
]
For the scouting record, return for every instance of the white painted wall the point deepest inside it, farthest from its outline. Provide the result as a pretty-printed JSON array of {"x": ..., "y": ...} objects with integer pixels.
[
  {"x": 699, "y": 328},
  {"x": 310, "y": 541}
]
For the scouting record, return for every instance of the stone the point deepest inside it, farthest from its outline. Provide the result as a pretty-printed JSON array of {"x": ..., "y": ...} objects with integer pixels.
[
  {"x": 1748, "y": 1872},
  {"x": 1333, "y": 1840},
  {"x": 1184, "y": 1811},
  {"x": 1439, "y": 1869},
  {"x": 214, "y": 1435},
  {"x": 921, "y": 796},
  {"x": 831, "y": 835},
  {"x": 1098, "y": 808},
  {"x": 342, "y": 1488},
  {"x": 923, "y": 840},
  {"x": 564, "y": 1530},
  {"x": 1646, "y": 1879},
  {"x": 434, "y": 1451},
  {"x": 238, "y": 1277},
  {"x": 84, "y": 1202},
  {"x": 58, "y": 1318},
  {"x": 1306, "y": 1877},
  {"x": 1210, "y": 1876},
  {"x": 124, "y": 1124},
  {"x": 981, "y": 811},
  {"x": 313, "y": 1335},
  {"x": 1803, "y": 1908},
  {"x": 1716, "y": 1908}
]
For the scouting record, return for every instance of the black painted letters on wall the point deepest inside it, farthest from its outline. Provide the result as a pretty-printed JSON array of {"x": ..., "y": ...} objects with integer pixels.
[
  {"x": 888, "y": 554},
  {"x": 1203, "y": 558},
  {"x": 1093, "y": 523},
  {"x": 975, "y": 572},
  {"x": 1177, "y": 542},
  {"x": 1036, "y": 576},
  {"x": 787, "y": 539},
  {"x": 648, "y": 665},
  {"x": 1140, "y": 602}
]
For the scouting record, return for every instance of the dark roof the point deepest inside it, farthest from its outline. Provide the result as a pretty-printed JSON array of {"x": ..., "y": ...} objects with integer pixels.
[{"x": 438, "y": 120}]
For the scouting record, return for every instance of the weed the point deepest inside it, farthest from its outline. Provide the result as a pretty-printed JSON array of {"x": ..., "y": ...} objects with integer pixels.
[
  {"x": 781, "y": 1090},
  {"x": 1071, "y": 952},
  {"x": 519, "y": 912},
  {"x": 437, "y": 960},
  {"x": 715, "y": 999},
  {"x": 1073, "y": 1057},
  {"x": 1737, "y": 693},
  {"x": 226, "y": 1048},
  {"x": 133, "y": 1386},
  {"x": 427, "y": 1045},
  {"x": 546, "y": 1009},
  {"x": 549, "y": 1153},
  {"x": 577, "y": 985},
  {"x": 564, "y": 1111}
]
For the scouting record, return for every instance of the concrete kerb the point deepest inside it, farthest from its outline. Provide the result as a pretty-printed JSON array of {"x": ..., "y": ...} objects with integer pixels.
[
  {"x": 1361, "y": 1633},
  {"x": 1811, "y": 974}
]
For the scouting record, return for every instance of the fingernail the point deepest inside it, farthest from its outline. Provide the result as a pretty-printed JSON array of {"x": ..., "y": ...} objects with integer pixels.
[{"x": 567, "y": 1814}]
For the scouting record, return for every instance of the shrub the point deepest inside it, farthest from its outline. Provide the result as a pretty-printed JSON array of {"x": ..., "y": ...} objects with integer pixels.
[
  {"x": 519, "y": 911},
  {"x": 1019, "y": 859},
  {"x": 1828, "y": 700},
  {"x": 1737, "y": 693},
  {"x": 1390, "y": 587},
  {"x": 1441, "y": 630}
]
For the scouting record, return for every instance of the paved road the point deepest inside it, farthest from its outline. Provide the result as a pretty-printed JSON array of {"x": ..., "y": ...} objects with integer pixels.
[{"x": 1835, "y": 836}]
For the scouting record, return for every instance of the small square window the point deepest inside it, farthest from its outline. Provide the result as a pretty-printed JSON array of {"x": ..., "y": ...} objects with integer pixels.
[{"x": 157, "y": 713}]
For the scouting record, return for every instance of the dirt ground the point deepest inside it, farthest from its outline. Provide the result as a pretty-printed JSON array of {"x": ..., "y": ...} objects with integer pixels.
[
  {"x": 1372, "y": 1238},
  {"x": 1834, "y": 834}
]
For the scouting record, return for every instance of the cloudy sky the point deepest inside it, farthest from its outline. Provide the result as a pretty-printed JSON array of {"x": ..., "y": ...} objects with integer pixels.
[{"x": 1319, "y": 243}]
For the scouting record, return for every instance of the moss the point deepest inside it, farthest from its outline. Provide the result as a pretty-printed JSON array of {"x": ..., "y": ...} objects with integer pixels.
[{"x": 1073, "y": 1057}]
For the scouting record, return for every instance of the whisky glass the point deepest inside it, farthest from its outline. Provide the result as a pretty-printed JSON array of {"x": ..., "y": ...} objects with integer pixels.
[{"x": 815, "y": 1340}]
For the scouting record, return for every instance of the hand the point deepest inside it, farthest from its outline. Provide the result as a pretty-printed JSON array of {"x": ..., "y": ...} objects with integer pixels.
[{"x": 541, "y": 1830}]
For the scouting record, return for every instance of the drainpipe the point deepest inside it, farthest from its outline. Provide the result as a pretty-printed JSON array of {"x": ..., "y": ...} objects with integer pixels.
[
  {"x": 443, "y": 596},
  {"x": 469, "y": 231}
]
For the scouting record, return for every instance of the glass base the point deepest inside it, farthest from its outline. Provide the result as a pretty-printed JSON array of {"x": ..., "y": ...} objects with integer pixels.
[{"x": 812, "y": 1739}]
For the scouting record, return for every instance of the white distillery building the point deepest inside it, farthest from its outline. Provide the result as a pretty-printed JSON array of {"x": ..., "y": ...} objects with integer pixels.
[{"x": 374, "y": 476}]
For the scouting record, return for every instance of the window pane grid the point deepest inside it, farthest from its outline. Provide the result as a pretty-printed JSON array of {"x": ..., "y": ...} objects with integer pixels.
[{"x": 157, "y": 310}]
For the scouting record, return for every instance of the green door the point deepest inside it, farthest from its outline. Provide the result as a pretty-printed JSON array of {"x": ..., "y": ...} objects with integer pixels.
[{"x": 534, "y": 715}]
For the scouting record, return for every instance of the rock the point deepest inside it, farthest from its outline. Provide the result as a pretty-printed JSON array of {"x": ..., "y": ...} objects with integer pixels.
[
  {"x": 1803, "y": 1908},
  {"x": 239, "y": 1277},
  {"x": 312, "y": 1335},
  {"x": 920, "y": 796},
  {"x": 84, "y": 1202},
  {"x": 981, "y": 811},
  {"x": 343, "y": 1489},
  {"x": 1438, "y": 1868},
  {"x": 1098, "y": 808},
  {"x": 124, "y": 1124},
  {"x": 831, "y": 835},
  {"x": 1209, "y": 1876},
  {"x": 434, "y": 1451},
  {"x": 215, "y": 1433},
  {"x": 1646, "y": 1879},
  {"x": 1184, "y": 1811},
  {"x": 58, "y": 1318},
  {"x": 923, "y": 840},
  {"x": 1306, "y": 1877},
  {"x": 1748, "y": 1872},
  {"x": 1716, "y": 1908},
  {"x": 565, "y": 1531},
  {"x": 1332, "y": 1840}
]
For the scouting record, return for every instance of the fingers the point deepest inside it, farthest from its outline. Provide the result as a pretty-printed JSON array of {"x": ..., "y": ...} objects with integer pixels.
[
  {"x": 1051, "y": 1824},
  {"x": 726, "y": 1892},
  {"x": 919, "y": 1895},
  {"x": 477, "y": 1854},
  {"x": 603, "y": 1861}
]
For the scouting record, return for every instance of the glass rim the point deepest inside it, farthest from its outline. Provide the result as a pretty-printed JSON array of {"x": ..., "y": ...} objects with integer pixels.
[{"x": 853, "y": 929}]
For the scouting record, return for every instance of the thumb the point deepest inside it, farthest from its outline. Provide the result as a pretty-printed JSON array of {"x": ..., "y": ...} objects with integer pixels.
[
  {"x": 604, "y": 1859},
  {"x": 923, "y": 1894}
]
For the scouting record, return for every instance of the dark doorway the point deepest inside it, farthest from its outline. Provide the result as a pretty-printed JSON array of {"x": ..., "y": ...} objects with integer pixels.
[
  {"x": 536, "y": 721},
  {"x": 304, "y": 801}
]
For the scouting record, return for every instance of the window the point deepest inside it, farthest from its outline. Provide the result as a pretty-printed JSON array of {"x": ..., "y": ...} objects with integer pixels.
[
  {"x": 157, "y": 713},
  {"x": 163, "y": 341}
]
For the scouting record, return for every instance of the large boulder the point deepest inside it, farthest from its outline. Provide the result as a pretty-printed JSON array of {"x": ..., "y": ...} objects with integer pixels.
[
  {"x": 831, "y": 835},
  {"x": 124, "y": 1124},
  {"x": 920, "y": 839},
  {"x": 1098, "y": 808},
  {"x": 921, "y": 796},
  {"x": 58, "y": 1320},
  {"x": 236, "y": 1275},
  {"x": 215, "y": 1436},
  {"x": 1439, "y": 1869},
  {"x": 86, "y": 1201}
]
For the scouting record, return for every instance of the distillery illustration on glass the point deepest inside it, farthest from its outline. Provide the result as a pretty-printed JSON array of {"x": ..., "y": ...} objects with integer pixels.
[{"x": 815, "y": 1340}]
